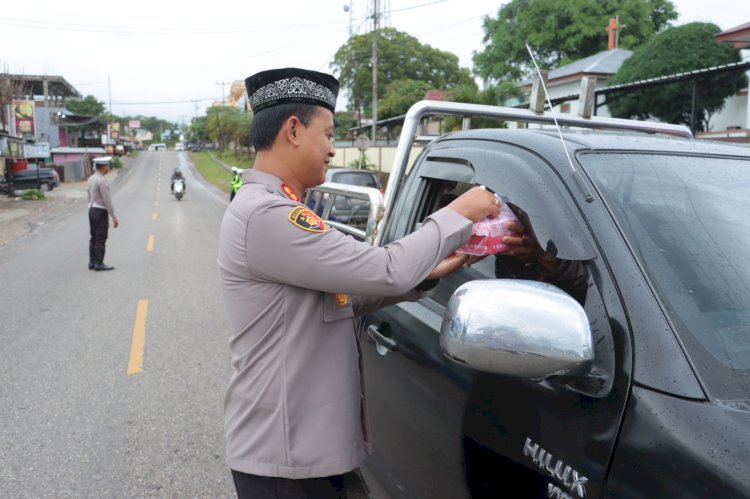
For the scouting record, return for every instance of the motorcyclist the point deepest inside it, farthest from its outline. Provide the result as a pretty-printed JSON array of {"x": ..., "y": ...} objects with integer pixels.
[
  {"x": 177, "y": 175},
  {"x": 236, "y": 182}
]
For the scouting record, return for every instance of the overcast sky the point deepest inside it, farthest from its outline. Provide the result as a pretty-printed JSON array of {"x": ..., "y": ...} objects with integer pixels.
[{"x": 165, "y": 51}]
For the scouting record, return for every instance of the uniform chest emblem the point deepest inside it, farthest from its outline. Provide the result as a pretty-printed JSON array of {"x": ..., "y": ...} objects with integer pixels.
[
  {"x": 342, "y": 300},
  {"x": 289, "y": 192},
  {"x": 306, "y": 220}
]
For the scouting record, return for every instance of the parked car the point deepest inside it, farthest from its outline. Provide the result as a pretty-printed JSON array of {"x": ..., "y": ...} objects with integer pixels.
[
  {"x": 179, "y": 147},
  {"x": 630, "y": 378},
  {"x": 352, "y": 176},
  {"x": 43, "y": 179},
  {"x": 346, "y": 210},
  {"x": 157, "y": 147}
]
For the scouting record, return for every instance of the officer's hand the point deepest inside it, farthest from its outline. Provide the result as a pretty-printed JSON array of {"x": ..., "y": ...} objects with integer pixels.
[
  {"x": 476, "y": 204},
  {"x": 448, "y": 266},
  {"x": 451, "y": 264},
  {"x": 115, "y": 222}
]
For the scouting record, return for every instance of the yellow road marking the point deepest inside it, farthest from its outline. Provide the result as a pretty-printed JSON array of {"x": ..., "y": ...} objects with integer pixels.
[
  {"x": 151, "y": 243},
  {"x": 153, "y": 217},
  {"x": 135, "y": 365},
  {"x": 156, "y": 203}
]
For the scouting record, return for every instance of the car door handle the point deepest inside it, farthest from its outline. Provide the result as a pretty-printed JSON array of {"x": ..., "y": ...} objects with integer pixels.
[{"x": 383, "y": 344}]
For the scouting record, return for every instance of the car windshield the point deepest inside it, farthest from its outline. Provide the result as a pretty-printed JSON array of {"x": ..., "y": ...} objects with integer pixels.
[
  {"x": 688, "y": 219},
  {"x": 352, "y": 178}
]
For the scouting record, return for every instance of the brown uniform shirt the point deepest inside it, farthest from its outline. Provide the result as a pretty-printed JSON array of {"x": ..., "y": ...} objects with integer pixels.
[{"x": 294, "y": 408}]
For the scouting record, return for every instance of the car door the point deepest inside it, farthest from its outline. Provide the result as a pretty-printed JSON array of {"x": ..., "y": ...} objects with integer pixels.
[{"x": 440, "y": 429}]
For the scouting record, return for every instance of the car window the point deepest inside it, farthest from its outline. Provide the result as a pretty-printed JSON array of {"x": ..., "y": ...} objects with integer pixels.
[
  {"x": 688, "y": 220},
  {"x": 439, "y": 193},
  {"x": 346, "y": 210},
  {"x": 364, "y": 179}
]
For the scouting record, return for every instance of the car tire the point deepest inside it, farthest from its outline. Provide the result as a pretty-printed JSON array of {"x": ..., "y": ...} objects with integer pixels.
[{"x": 45, "y": 187}]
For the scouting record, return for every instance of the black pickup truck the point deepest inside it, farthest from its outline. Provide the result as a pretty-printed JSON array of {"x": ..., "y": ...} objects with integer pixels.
[{"x": 623, "y": 372}]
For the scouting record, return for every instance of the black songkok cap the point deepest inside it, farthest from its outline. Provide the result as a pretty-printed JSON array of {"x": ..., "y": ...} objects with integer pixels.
[{"x": 280, "y": 86}]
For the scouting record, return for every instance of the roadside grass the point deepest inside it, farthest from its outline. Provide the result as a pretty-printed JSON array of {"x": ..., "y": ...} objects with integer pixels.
[
  {"x": 212, "y": 171},
  {"x": 228, "y": 157}
]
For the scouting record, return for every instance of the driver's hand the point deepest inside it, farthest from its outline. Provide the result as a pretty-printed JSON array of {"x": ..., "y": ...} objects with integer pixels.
[{"x": 523, "y": 246}]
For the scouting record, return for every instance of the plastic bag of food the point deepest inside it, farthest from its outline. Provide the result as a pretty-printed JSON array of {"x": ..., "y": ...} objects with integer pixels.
[{"x": 487, "y": 234}]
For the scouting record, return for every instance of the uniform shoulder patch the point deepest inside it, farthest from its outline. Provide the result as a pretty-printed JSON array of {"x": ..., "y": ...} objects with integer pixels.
[{"x": 305, "y": 219}]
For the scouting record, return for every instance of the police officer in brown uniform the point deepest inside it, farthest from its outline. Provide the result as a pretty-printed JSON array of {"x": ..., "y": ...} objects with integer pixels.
[
  {"x": 294, "y": 413},
  {"x": 100, "y": 209}
]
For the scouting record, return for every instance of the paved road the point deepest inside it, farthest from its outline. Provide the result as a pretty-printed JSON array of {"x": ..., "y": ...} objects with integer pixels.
[{"x": 73, "y": 422}]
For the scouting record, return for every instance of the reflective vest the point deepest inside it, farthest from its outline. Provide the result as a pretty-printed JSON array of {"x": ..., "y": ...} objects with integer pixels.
[{"x": 236, "y": 183}]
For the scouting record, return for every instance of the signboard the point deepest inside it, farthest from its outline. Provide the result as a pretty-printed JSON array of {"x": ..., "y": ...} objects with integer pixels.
[
  {"x": 134, "y": 124},
  {"x": 115, "y": 131},
  {"x": 363, "y": 142},
  {"x": 40, "y": 150},
  {"x": 24, "y": 111}
]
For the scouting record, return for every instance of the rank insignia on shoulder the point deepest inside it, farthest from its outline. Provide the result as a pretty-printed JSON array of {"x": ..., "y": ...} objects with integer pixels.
[
  {"x": 342, "y": 300},
  {"x": 289, "y": 192},
  {"x": 306, "y": 220}
]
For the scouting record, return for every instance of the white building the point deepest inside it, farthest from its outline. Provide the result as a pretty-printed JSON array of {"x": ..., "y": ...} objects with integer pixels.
[
  {"x": 732, "y": 122},
  {"x": 566, "y": 80}
]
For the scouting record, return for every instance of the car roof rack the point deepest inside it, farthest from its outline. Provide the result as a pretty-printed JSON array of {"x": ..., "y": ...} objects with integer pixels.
[{"x": 467, "y": 111}]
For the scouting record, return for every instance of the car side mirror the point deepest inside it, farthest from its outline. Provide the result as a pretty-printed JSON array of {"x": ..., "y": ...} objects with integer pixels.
[{"x": 520, "y": 328}]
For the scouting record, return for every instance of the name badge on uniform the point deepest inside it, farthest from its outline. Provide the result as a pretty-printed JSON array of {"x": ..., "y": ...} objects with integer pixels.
[
  {"x": 306, "y": 220},
  {"x": 342, "y": 300}
]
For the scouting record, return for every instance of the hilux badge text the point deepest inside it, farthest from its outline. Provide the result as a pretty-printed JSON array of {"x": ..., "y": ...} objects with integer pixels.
[{"x": 556, "y": 468}]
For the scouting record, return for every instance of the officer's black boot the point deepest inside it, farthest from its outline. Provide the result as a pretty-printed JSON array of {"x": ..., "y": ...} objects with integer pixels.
[
  {"x": 99, "y": 264},
  {"x": 92, "y": 256}
]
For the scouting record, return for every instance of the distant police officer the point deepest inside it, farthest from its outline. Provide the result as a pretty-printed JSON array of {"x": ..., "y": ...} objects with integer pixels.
[
  {"x": 100, "y": 209},
  {"x": 294, "y": 414},
  {"x": 236, "y": 182}
]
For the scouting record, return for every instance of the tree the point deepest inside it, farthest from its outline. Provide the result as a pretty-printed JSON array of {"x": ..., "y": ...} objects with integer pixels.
[
  {"x": 401, "y": 57},
  {"x": 343, "y": 121},
  {"x": 683, "y": 48},
  {"x": 561, "y": 32},
  {"x": 228, "y": 126},
  {"x": 242, "y": 125},
  {"x": 88, "y": 106},
  {"x": 400, "y": 95},
  {"x": 491, "y": 95},
  {"x": 198, "y": 129}
]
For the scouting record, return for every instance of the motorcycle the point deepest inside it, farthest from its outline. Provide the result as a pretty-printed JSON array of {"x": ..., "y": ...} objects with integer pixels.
[{"x": 179, "y": 189}]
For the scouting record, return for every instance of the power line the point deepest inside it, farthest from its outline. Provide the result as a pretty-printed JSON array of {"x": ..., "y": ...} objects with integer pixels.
[
  {"x": 154, "y": 103},
  {"x": 218, "y": 63},
  {"x": 418, "y": 6},
  {"x": 97, "y": 28}
]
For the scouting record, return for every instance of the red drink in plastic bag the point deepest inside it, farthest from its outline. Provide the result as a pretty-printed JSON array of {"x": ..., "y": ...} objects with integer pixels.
[{"x": 487, "y": 234}]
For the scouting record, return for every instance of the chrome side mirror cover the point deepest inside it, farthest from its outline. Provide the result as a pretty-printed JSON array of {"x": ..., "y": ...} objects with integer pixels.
[{"x": 520, "y": 328}]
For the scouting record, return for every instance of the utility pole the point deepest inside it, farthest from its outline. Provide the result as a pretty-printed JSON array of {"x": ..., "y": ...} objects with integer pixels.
[
  {"x": 223, "y": 83},
  {"x": 109, "y": 121},
  {"x": 218, "y": 115},
  {"x": 375, "y": 26}
]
